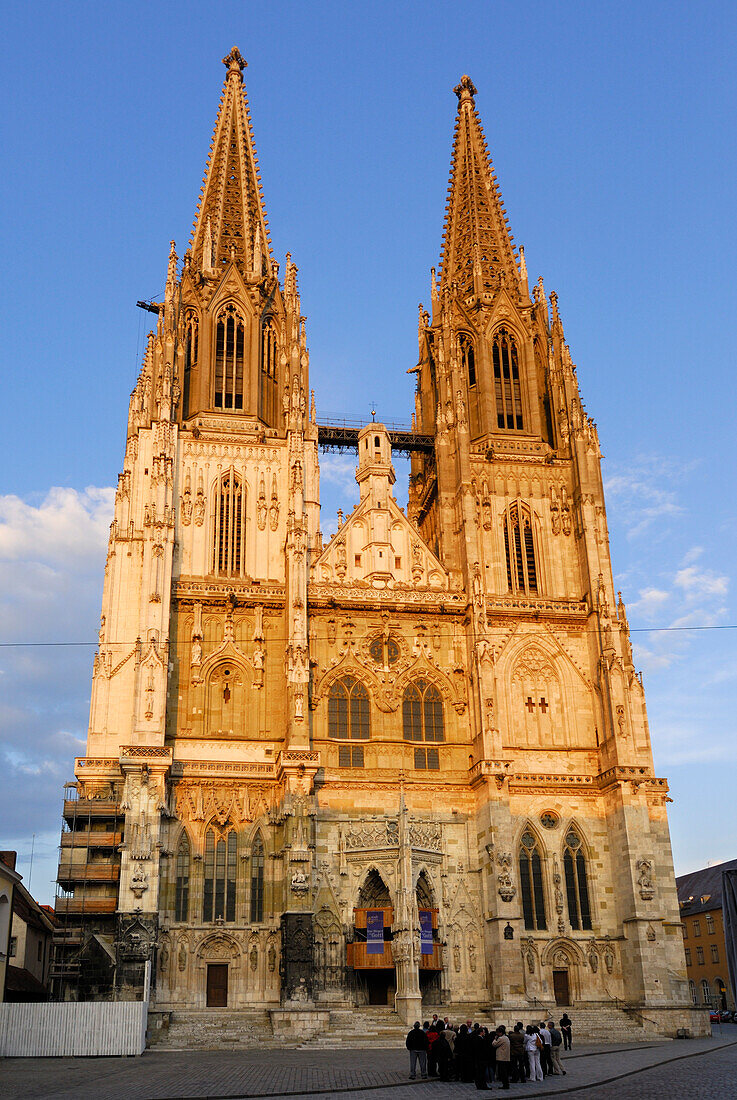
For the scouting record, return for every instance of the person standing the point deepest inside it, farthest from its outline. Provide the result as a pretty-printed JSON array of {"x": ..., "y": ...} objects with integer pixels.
[
  {"x": 555, "y": 1041},
  {"x": 546, "y": 1061},
  {"x": 432, "y": 1054},
  {"x": 416, "y": 1044},
  {"x": 480, "y": 1057},
  {"x": 566, "y": 1031},
  {"x": 533, "y": 1045},
  {"x": 518, "y": 1058},
  {"x": 503, "y": 1054}
]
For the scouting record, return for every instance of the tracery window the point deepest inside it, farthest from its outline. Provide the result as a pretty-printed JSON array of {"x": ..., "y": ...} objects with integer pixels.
[
  {"x": 230, "y": 341},
  {"x": 531, "y": 882},
  {"x": 268, "y": 387},
  {"x": 384, "y": 650},
  {"x": 229, "y": 526},
  {"x": 422, "y": 712},
  {"x": 181, "y": 898},
  {"x": 507, "y": 389},
  {"x": 348, "y": 710},
  {"x": 519, "y": 544},
  {"x": 220, "y": 875},
  {"x": 191, "y": 355},
  {"x": 257, "y": 881},
  {"x": 468, "y": 358},
  {"x": 577, "y": 888},
  {"x": 427, "y": 760}
]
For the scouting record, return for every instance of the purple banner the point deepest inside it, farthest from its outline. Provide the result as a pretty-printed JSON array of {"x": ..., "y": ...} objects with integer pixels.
[
  {"x": 375, "y": 932},
  {"x": 426, "y": 944}
]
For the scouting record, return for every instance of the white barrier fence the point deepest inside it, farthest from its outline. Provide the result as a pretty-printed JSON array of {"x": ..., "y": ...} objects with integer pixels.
[{"x": 73, "y": 1029}]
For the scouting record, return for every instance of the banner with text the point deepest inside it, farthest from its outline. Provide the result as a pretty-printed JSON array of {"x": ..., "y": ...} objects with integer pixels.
[
  {"x": 375, "y": 932},
  {"x": 426, "y": 945}
]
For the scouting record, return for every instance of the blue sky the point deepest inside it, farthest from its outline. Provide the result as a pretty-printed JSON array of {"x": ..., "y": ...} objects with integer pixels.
[{"x": 611, "y": 127}]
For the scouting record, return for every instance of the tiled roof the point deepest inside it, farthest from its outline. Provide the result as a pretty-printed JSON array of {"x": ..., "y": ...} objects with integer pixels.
[{"x": 702, "y": 890}]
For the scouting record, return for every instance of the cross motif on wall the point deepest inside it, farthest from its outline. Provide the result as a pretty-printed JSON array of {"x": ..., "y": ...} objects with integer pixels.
[
  {"x": 530, "y": 704},
  {"x": 543, "y": 706}
]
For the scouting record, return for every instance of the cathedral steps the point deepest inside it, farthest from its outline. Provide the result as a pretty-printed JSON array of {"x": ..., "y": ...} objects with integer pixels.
[
  {"x": 215, "y": 1029},
  {"x": 366, "y": 1026}
]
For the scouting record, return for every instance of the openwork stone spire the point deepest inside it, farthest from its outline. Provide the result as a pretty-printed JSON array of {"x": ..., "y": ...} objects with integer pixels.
[
  {"x": 477, "y": 244},
  {"x": 231, "y": 220}
]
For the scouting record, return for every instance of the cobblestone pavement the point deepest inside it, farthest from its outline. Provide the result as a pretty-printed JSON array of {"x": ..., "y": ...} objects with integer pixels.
[{"x": 697, "y": 1068}]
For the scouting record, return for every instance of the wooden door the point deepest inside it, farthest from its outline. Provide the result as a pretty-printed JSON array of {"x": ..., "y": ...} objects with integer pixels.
[
  {"x": 560, "y": 986},
  {"x": 217, "y": 985}
]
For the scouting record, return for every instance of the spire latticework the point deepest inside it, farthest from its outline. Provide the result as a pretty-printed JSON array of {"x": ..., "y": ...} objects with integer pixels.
[
  {"x": 231, "y": 220},
  {"x": 477, "y": 244}
]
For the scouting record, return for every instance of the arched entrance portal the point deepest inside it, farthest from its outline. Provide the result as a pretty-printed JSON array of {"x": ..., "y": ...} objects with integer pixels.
[
  {"x": 430, "y": 959},
  {"x": 370, "y": 954}
]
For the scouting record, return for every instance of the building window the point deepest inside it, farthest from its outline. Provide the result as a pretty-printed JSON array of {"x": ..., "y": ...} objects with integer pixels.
[
  {"x": 268, "y": 403},
  {"x": 531, "y": 882},
  {"x": 709, "y": 925},
  {"x": 348, "y": 710},
  {"x": 685, "y": 931},
  {"x": 697, "y": 928},
  {"x": 507, "y": 381},
  {"x": 257, "y": 881},
  {"x": 191, "y": 355},
  {"x": 688, "y": 956},
  {"x": 692, "y": 990},
  {"x": 519, "y": 543},
  {"x": 230, "y": 526},
  {"x": 230, "y": 341},
  {"x": 422, "y": 712},
  {"x": 181, "y": 898},
  {"x": 577, "y": 890},
  {"x": 13, "y": 948},
  {"x": 714, "y": 953},
  {"x": 350, "y": 756},
  {"x": 700, "y": 956},
  {"x": 220, "y": 876},
  {"x": 468, "y": 358},
  {"x": 705, "y": 992},
  {"x": 427, "y": 760},
  {"x": 384, "y": 650}
]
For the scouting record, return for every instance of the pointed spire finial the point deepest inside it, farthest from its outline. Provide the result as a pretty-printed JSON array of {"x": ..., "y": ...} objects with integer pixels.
[
  {"x": 466, "y": 90},
  {"x": 235, "y": 62}
]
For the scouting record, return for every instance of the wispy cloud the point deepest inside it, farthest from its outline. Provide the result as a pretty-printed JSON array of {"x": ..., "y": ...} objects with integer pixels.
[{"x": 645, "y": 490}]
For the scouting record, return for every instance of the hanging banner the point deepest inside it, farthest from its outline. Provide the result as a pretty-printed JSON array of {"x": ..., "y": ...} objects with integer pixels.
[
  {"x": 375, "y": 932},
  {"x": 426, "y": 944}
]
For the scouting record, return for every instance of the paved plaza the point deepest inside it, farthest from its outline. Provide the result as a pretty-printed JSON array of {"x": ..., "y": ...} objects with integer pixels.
[{"x": 694, "y": 1068}]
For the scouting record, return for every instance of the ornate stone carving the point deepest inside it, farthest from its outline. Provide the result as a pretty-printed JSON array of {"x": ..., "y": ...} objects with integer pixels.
[
  {"x": 299, "y": 884},
  {"x": 139, "y": 882},
  {"x": 645, "y": 879},
  {"x": 506, "y": 888}
]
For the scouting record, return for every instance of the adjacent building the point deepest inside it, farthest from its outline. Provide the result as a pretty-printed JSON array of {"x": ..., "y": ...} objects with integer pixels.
[
  {"x": 408, "y": 762},
  {"x": 27, "y": 961},
  {"x": 700, "y": 901}
]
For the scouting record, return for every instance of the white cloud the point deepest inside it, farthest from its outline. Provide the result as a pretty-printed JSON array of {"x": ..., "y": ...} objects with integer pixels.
[
  {"x": 645, "y": 490},
  {"x": 64, "y": 530},
  {"x": 651, "y": 602},
  {"x": 697, "y": 583}
]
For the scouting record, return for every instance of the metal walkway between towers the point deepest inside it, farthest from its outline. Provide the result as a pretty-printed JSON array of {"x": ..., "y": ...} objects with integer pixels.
[{"x": 342, "y": 435}]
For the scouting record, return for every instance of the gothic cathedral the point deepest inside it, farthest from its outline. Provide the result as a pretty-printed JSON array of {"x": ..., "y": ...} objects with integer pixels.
[{"x": 409, "y": 764}]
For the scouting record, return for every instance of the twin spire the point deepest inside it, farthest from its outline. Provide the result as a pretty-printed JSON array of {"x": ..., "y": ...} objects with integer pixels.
[
  {"x": 231, "y": 220},
  {"x": 477, "y": 245}
]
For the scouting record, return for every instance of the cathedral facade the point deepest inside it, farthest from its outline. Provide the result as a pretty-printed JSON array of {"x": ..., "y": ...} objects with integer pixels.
[{"x": 408, "y": 763}]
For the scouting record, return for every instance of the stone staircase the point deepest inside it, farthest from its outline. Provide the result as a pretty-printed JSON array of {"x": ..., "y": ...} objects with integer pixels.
[
  {"x": 214, "y": 1029},
  {"x": 379, "y": 1027}
]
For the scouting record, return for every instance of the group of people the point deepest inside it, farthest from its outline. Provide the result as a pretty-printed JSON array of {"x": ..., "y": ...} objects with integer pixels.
[{"x": 483, "y": 1055}]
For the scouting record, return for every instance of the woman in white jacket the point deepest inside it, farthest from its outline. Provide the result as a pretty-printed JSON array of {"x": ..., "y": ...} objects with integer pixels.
[{"x": 533, "y": 1043}]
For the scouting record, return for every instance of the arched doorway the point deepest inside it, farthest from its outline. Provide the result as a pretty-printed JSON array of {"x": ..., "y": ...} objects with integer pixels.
[
  {"x": 430, "y": 961},
  {"x": 370, "y": 953}
]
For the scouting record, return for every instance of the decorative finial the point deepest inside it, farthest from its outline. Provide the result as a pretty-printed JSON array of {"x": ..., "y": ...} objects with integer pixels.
[
  {"x": 235, "y": 62},
  {"x": 466, "y": 90},
  {"x": 373, "y": 416}
]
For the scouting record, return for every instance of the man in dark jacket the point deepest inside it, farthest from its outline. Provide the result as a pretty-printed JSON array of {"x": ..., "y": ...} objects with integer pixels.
[
  {"x": 518, "y": 1058},
  {"x": 416, "y": 1044}
]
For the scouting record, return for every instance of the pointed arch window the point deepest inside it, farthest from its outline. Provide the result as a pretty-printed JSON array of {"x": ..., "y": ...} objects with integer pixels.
[
  {"x": 191, "y": 355},
  {"x": 257, "y": 881},
  {"x": 531, "y": 882},
  {"x": 230, "y": 343},
  {"x": 577, "y": 887},
  {"x": 349, "y": 716},
  {"x": 422, "y": 712},
  {"x": 220, "y": 875},
  {"x": 519, "y": 544},
  {"x": 268, "y": 387},
  {"x": 507, "y": 389},
  {"x": 229, "y": 526},
  {"x": 181, "y": 896},
  {"x": 468, "y": 358}
]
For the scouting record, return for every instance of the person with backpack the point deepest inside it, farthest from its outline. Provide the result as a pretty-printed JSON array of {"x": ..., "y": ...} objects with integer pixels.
[{"x": 416, "y": 1043}]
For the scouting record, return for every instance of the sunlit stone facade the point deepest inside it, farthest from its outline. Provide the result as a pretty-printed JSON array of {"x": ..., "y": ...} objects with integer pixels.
[{"x": 434, "y": 716}]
